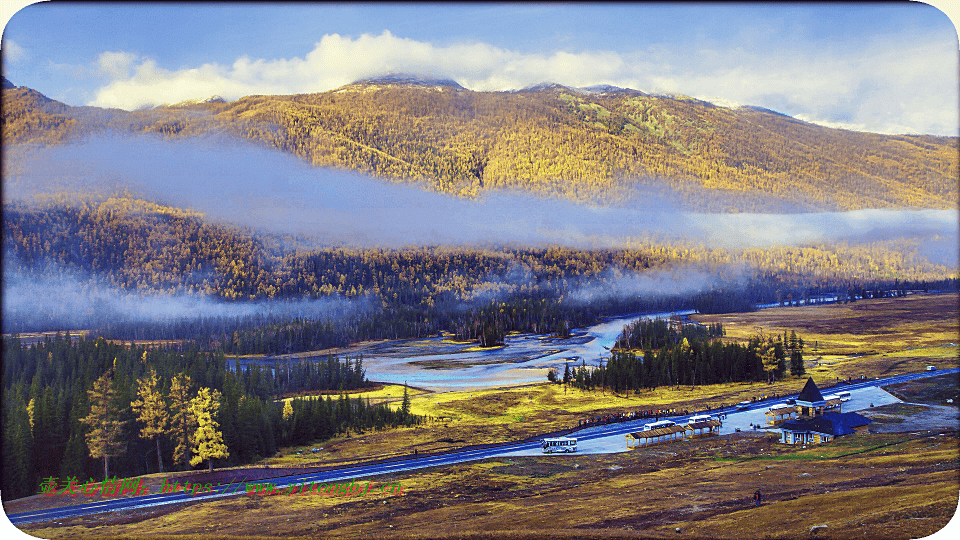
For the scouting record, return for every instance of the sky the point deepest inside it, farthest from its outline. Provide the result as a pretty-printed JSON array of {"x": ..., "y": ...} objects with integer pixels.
[{"x": 880, "y": 67}]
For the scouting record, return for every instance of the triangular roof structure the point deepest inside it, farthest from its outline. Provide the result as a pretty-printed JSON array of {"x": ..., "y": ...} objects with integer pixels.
[{"x": 810, "y": 392}]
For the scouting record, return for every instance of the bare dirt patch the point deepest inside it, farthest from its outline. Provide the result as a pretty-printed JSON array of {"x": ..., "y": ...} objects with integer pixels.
[
  {"x": 930, "y": 390},
  {"x": 901, "y": 417}
]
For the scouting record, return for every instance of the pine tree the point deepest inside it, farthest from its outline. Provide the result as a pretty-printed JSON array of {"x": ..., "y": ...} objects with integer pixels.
[
  {"x": 207, "y": 439},
  {"x": 796, "y": 363},
  {"x": 151, "y": 411},
  {"x": 405, "y": 406},
  {"x": 182, "y": 421},
  {"x": 76, "y": 451},
  {"x": 105, "y": 438},
  {"x": 18, "y": 475}
]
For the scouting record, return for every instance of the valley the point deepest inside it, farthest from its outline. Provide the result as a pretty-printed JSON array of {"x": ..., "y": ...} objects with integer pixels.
[
  {"x": 420, "y": 261},
  {"x": 904, "y": 467}
]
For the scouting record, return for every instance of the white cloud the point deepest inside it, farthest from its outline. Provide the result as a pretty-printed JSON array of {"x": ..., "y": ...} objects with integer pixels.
[
  {"x": 13, "y": 53},
  {"x": 116, "y": 65},
  {"x": 889, "y": 88}
]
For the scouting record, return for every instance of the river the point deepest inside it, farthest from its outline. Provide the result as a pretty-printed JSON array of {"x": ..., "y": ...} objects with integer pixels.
[{"x": 440, "y": 364}]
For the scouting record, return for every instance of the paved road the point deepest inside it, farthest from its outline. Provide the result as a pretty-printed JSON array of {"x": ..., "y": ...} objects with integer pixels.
[{"x": 357, "y": 472}]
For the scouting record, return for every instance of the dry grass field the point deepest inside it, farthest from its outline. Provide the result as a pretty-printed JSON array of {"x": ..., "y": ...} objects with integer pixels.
[
  {"x": 864, "y": 327},
  {"x": 899, "y": 483}
]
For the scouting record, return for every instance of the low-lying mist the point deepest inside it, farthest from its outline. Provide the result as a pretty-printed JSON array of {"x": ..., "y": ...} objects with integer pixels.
[
  {"x": 244, "y": 184},
  {"x": 60, "y": 299}
]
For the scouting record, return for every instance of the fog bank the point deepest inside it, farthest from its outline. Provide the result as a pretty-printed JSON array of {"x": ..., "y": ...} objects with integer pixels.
[
  {"x": 244, "y": 184},
  {"x": 57, "y": 299}
]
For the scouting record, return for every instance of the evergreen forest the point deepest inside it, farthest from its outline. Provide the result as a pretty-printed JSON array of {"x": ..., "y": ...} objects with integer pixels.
[{"x": 51, "y": 399}]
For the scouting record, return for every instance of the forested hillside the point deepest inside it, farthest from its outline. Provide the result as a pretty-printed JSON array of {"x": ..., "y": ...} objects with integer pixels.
[
  {"x": 140, "y": 247},
  {"x": 585, "y": 146}
]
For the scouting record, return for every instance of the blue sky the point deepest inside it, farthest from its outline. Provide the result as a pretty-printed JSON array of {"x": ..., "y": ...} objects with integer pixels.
[{"x": 890, "y": 68}]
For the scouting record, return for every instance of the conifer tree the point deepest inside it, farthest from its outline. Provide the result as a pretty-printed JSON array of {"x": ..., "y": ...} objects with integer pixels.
[
  {"x": 796, "y": 363},
  {"x": 105, "y": 438},
  {"x": 405, "y": 405},
  {"x": 208, "y": 439},
  {"x": 76, "y": 452},
  {"x": 183, "y": 423},
  {"x": 151, "y": 411},
  {"x": 18, "y": 476}
]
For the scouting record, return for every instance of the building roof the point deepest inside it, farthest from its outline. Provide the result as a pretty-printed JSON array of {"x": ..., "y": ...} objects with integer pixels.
[
  {"x": 659, "y": 432},
  {"x": 703, "y": 424},
  {"x": 853, "y": 419},
  {"x": 836, "y": 424},
  {"x": 810, "y": 392}
]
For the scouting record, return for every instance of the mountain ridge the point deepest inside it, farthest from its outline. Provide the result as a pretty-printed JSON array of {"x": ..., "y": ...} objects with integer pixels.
[{"x": 590, "y": 144}]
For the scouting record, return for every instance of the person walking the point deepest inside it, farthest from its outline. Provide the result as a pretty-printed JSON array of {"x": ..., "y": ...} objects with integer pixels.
[{"x": 756, "y": 497}]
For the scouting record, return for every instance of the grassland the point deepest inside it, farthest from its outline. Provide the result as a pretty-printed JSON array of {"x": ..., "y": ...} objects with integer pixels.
[
  {"x": 865, "y": 327},
  {"x": 902, "y": 486},
  {"x": 902, "y": 483},
  {"x": 377, "y": 394}
]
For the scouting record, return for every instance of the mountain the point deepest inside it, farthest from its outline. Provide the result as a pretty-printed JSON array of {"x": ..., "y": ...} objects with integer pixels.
[
  {"x": 595, "y": 144},
  {"x": 609, "y": 89},
  {"x": 406, "y": 79},
  {"x": 191, "y": 102}
]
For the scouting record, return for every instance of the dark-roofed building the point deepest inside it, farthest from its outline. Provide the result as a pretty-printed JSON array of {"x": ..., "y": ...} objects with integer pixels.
[
  {"x": 810, "y": 402},
  {"x": 814, "y": 425},
  {"x": 822, "y": 428}
]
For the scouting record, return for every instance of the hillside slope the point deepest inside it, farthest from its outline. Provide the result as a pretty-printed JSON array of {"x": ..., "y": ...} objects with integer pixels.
[{"x": 582, "y": 145}]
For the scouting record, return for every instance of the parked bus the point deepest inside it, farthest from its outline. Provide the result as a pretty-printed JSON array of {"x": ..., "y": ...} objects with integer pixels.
[
  {"x": 701, "y": 418},
  {"x": 660, "y": 424},
  {"x": 558, "y": 444},
  {"x": 844, "y": 396},
  {"x": 835, "y": 399}
]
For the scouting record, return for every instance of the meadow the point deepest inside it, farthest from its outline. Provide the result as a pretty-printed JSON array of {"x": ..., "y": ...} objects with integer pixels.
[{"x": 899, "y": 484}]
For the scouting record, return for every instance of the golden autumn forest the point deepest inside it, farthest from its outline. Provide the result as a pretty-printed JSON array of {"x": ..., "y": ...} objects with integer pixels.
[{"x": 586, "y": 146}]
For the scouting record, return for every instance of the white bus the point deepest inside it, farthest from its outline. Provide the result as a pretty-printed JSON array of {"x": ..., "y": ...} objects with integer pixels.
[
  {"x": 844, "y": 396},
  {"x": 700, "y": 418},
  {"x": 657, "y": 425},
  {"x": 743, "y": 405},
  {"x": 830, "y": 398},
  {"x": 559, "y": 444}
]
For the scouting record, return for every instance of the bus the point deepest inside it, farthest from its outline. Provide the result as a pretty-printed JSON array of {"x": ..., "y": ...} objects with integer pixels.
[
  {"x": 559, "y": 444},
  {"x": 743, "y": 405},
  {"x": 657, "y": 425},
  {"x": 844, "y": 396},
  {"x": 700, "y": 418},
  {"x": 835, "y": 398}
]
